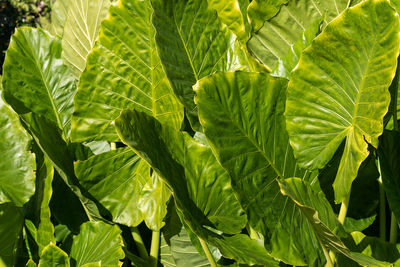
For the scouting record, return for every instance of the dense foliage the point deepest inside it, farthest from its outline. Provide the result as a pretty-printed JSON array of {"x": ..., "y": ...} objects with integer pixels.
[{"x": 202, "y": 133}]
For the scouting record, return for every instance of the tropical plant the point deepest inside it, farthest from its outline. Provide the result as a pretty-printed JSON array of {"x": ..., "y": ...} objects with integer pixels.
[{"x": 202, "y": 133}]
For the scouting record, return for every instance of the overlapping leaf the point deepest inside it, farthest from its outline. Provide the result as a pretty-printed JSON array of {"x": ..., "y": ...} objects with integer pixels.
[
  {"x": 262, "y": 10},
  {"x": 192, "y": 43},
  {"x": 53, "y": 256},
  {"x": 143, "y": 133},
  {"x": 118, "y": 179},
  {"x": 123, "y": 71},
  {"x": 319, "y": 214},
  {"x": 233, "y": 13},
  {"x": 17, "y": 177},
  {"x": 81, "y": 29},
  {"x": 11, "y": 223},
  {"x": 242, "y": 116},
  {"x": 325, "y": 106},
  {"x": 35, "y": 76},
  {"x": 97, "y": 242},
  {"x": 279, "y": 33}
]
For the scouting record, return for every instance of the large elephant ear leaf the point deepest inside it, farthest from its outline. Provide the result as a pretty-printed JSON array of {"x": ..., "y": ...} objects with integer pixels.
[
  {"x": 81, "y": 29},
  {"x": 118, "y": 77},
  {"x": 17, "y": 177},
  {"x": 142, "y": 133},
  {"x": 35, "y": 76},
  {"x": 340, "y": 90},
  {"x": 280, "y": 32},
  {"x": 97, "y": 242},
  {"x": 192, "y": 43},
  {"x": 242, "y": 117},
  {"x": 318, "y": 212}
]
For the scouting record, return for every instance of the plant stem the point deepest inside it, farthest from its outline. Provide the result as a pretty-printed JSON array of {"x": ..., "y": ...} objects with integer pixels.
[
  {"x": 382, "y": 206},
  {"x": 208, "y": 253},
  {"x": 327, "y": 257},
  {"x": 139, "y": 243},
  {"x": 343, "y": 209},
  {"x": 155, "y": 245},
  {"x": 253, "y": 233},
  {"x": 393, "y": 230}
]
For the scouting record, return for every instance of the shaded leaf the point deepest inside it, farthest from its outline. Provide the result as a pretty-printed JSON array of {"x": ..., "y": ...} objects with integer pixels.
[
  {"x": 123, "y": 71},
  {"x": 325, "y": 106},
  {"x": 322, "y": 219},
  {"x": 59, "y": 12},
  {"x": 389, "y": 159},
  {"x": 143, "y": 133},
  {"x": 11, "y": 223}
]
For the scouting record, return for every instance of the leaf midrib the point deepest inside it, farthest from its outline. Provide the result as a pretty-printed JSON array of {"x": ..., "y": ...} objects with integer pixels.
[{"x": 37, "y": 63}]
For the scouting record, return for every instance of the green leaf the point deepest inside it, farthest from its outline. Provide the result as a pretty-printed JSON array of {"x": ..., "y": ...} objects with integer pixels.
[
  {"x": 242, "y": 117},
  {"x": 143, "y": 133},
  {"x": 59, "y": 12},
  {"x": 35, "y": 76},
  {"x": 280, "y": 32},
  {"x": 192, "y": 43},
  {"x": 210, "y": 188},
  {"x": 121, "y": 182},
  {"x": 81, "y": 29},
  {"x": 389, "y": 159},
  {"x": 178, "y": 250},
  {"x": 233, "y": 13},
  {"x": 153, "y": 202},
  {"x": 53, "y": 256},
  {"x": 323, "y": 221},
  {"x": 30, "y": 263},
  {"x": 45, "y": 231},
  {"x": 11, "y": 223},
  {"x": 286, "y": 64},
  {"x": 97, "y": 241},
  {"x": 17, "y": 177},
  {"x": 48, "y": 138},
  {"x": 123, "y": 71},
  {"x": 325, "y": 106},
  {"x": 262, "y": 10}
]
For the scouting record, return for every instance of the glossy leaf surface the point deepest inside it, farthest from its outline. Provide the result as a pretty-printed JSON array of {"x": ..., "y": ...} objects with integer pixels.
[
  {"x": 279, "y": 33},
  {"x": 97, "y": 241},
  {"x": 142, "y": 133},
  {"x": 81, "y": 29},
  {"x": 119, "y": 179},
  {"x": 35, "y": 76},
  {"x": 17, "y": 177},
  {"x": 123, "y": 71},
  {"x": 325, "y": 106},
  {"x": 233, "y": 13},
  {"x": 262, "y": 10},
  {"x": 242, "y": 117},
  {"x": 192, "y": 43}
]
